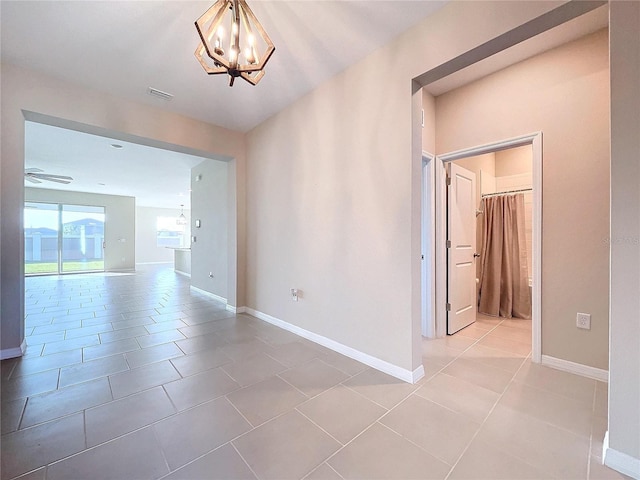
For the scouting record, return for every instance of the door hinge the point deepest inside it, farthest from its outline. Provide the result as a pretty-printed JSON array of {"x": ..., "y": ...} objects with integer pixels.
[
  {"x": 448, "y": 180},
  {"x": 448, "y": 243},
  {"x": 448, "y": 307}
]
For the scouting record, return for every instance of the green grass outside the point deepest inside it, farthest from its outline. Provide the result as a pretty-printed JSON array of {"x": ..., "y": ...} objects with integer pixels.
[{"x": 50, "y": 267}]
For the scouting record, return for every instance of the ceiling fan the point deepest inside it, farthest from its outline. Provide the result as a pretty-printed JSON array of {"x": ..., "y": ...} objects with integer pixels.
[{"x": 35, "y": 175}]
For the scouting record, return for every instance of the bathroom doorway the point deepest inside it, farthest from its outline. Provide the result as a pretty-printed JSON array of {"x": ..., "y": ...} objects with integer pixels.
[
  {"x": 498, "y": 216},
  {"x": 500, "y": 168}
]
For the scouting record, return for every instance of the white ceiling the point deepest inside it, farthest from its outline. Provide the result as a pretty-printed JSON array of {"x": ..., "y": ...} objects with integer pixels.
[
  {"x": 125, "y": 47},
  {"x": 156, "y": 177}
]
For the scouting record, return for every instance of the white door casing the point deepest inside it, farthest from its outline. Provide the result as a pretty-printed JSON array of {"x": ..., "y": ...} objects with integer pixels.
[
  {"x": 462, "y": 248},
  {"x": 436, "y": 231}
]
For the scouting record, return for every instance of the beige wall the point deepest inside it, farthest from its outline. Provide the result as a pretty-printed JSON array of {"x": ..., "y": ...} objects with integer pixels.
[
  {"x": 43, "y": 98},
  {"x": 514, "y": 161},
  {"x": 624, "y": 380},
  {"x": 429, "y": 128},
  {"x": 119, "y": 230},
  {"x": 564, "y": 93},
  {"x": 334, "y": 190},
  {"x": 209, "y": 252},
  {"x": 147, "y": 249}
]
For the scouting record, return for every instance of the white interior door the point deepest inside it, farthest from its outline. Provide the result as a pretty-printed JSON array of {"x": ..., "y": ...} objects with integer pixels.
[{"x": 461, "y": 284}]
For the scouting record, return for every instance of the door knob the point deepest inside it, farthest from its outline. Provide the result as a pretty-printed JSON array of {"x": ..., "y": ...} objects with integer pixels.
[{"x": 476, "y": 255}]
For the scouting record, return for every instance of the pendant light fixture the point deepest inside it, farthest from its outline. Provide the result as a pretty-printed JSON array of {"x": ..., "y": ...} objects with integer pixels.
[
  {"x": 181, "y": 220},
  {"x": 232, "y": 41}
]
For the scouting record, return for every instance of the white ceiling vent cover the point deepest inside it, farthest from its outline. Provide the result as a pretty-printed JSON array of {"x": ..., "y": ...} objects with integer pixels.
[{"x": 160, "y": 94}]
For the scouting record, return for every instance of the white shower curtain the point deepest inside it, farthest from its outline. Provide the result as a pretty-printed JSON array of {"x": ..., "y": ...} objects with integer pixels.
[{"x": 504, "y": 285}]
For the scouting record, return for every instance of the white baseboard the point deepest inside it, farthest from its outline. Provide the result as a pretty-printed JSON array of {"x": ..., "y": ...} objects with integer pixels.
[
  {"x": 374, "y": 362},
  {"x": 619, "y": 461},
  {"x": 184, "y": 274},
  {"x": 154, "y": 263},
  {"x": 576, "y": 368},
  {"x": 209, "y": 294},
  {"x": 13, "y": 352},
  {"x": 120, "y": 270},
  {"x": 234, "y": 309}
]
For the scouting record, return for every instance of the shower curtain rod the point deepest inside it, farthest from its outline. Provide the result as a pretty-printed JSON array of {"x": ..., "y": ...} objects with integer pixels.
[{"x": 504, "y": 193}]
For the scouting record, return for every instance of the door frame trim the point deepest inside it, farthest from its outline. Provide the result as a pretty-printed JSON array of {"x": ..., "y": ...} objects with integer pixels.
[
  {"x": 436, "y": 233},
  {"x": 428, "y": 248}
]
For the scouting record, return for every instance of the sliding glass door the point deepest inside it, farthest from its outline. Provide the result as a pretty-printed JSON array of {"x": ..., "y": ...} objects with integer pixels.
[
  {"x": 82, "y": 238},
  {"x": 41, "y": 225},
  {"x": 63, "y": 238}
]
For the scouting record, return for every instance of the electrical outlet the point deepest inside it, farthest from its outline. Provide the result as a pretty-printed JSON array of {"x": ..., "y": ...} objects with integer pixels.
[
  {"x": 583, "y": 320},
  {"x": 294, "y": 294}
]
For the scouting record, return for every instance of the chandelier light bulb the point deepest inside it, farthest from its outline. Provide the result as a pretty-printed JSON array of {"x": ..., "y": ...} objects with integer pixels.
[
  {"x": 218, "y": 47},
  {"x": 248, "y": 53}
]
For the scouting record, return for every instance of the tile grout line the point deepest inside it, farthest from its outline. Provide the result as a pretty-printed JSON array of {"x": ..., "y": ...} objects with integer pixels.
[
  {"x": 485, "y": 421},
  {"x": 319, "y": 427},
  {"x": 242, "y": 457},
  {"x": 164, "y": 457}
]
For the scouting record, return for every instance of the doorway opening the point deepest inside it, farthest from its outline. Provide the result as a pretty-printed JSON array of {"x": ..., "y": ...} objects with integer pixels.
[
  {"x": 435, "y": 231},
  {"x": 61, "y": 238}
]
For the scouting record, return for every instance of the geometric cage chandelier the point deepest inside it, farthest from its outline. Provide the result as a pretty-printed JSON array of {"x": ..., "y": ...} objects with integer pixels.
[{"x": 232, "y": 41}]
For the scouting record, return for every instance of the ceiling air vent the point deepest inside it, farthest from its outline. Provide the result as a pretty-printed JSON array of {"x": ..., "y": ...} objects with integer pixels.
[{"x": 159, "y": 93}]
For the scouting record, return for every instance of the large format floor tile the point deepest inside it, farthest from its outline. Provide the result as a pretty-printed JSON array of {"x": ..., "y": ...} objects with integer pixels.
[
  {"x": 549, "y": 448},
  {"x": 459, "y": 395},
  {"x": 265, "y": 400},
  {"x": 381, "y": 388},
  {"x": 137, "y": 376},
  {"x": 483, "y": 461},
  {"x": 253, "y": 369},
  {"x": 288, "y": 447},
  {"x": 382, "y": 454},
  {"x": 188, "y": 435},
  {"x": 439, "y": 431},
  {"x": 82, "y": 372},
  {"x": 221, "y": 464},
  {"x": 342, "y": 413},
  {"x": 122, "y": 416},
  {"x": 76, "y": 398},
  {"x": 314, "y": 377},
  {"x": 34, "y": 447},
  {"x": 205, "y": 386},
  {"x": 136, "y": 455},
  {"x": 141, "y": 378}
]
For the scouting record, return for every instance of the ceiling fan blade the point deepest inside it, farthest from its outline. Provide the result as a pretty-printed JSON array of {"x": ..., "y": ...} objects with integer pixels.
[
  {"x": 58, "y": 179},
  {"x": 48, "y": 176},
  {"x": 31, "y": 179},
  {"x": 33, "y": 170}
]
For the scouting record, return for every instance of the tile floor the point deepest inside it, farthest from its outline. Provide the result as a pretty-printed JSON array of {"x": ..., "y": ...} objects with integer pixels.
[{"x": 134, "y": 376}]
